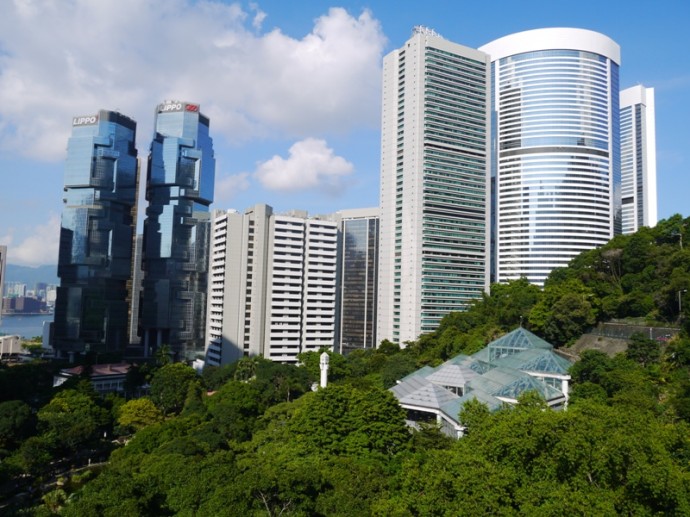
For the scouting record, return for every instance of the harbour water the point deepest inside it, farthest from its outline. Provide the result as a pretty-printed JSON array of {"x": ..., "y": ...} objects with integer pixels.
[{"x": 27, "y": 326}]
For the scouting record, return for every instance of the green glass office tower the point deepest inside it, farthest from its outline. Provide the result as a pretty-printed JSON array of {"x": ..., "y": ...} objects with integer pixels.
[
  {"x": 434, "y": 184},
  {"x": 179, "y": 190},
  {"x": 94, "y": 263}
]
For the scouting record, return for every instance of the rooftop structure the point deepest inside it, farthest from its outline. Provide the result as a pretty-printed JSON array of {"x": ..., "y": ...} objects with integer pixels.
[{"x": 496, "y": 376}]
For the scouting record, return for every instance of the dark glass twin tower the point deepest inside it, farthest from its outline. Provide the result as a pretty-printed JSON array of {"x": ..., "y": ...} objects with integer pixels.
[{"x": 99, "y": 224}]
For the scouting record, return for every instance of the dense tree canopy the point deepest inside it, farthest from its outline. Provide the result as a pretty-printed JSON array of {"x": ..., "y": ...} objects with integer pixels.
[{"x": 252, "y": 438}]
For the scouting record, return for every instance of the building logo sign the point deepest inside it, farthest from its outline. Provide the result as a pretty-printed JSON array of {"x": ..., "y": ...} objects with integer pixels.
[
  {"x": 170, "y": 107},
  {"x": 192, "y": 107},
  {"x": 85, "y": 121}
]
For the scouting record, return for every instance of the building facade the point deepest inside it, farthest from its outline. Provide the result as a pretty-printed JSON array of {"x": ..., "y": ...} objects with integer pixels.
[
  {"x": 638, "y": 159},
  {"x": 98, "y": 223},
  {"x": 556, "y": 156},
  {"x": 272, "y": 285},
  {"x": 358, "y": 279},
  {"x": 3, "y": 262},
  {"x": 179, "y": 190},
  {"x": 434, "y": 184}
]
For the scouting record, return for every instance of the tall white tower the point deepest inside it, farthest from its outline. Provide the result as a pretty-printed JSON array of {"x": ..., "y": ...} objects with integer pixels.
[
  {"x": 434, "y": 184},
  {"x": 638, "y": 159},
  {"x": 556, "y": 156}
]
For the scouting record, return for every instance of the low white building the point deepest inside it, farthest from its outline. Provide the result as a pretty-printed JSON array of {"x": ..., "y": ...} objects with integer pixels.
[
  {"x": 9, "y": 346},
  {"x": 105, "y": 378}
]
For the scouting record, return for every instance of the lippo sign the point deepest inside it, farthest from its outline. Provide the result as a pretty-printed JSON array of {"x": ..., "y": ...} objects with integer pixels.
[
  {"x": 86, "y": 120},
  {"x": 168, "y": 107}
]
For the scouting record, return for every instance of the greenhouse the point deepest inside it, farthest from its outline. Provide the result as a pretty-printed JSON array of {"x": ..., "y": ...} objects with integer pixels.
[{"x": 496, "y": 376}]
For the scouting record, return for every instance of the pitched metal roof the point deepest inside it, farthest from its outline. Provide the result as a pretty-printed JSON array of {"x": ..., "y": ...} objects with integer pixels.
[
  {"x": 420, "y": 392},
  {"x": 452, "y": 375}
]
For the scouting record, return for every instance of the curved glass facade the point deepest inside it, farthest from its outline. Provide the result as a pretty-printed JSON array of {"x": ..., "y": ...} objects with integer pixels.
[
  {"x": 179, "y": 190},
  {"x": 96, "y": 235},
  {"x": 557, "y": 156}
]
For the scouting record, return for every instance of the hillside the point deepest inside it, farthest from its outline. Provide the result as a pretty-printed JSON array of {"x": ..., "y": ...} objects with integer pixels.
[{"x": 31, "y": 275}]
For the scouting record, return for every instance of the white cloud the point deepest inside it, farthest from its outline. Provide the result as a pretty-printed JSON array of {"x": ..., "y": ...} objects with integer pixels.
[
  {"x": 35, "y": 247},
  {"x": 228, "y": 187},
  {"x": 311, "y": 165},
  {"x": 259, "y": 16},
  {"x": 60, "y": 59}
]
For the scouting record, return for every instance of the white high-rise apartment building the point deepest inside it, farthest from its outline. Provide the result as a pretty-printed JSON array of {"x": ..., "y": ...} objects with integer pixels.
[
  {"x": 434, "y": 184},
  {"x": 272, "y": 285},
  {"x": 557, "y": 156},
  {"x": 638, "y": 158}
]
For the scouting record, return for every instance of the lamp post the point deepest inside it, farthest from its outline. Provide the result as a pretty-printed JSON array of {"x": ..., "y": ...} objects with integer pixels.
[{"x": 680, "y": 305}]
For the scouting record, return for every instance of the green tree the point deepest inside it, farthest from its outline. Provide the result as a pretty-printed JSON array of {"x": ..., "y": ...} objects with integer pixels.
[
  {"x": 35, "y": 455},
  {"x": 139, "y": 413},
  {"x": 17, "y": 423},
  {"x": 235, "y": 409},
  {"x": 342, "y": 419},
  {"x": 396, "y": 367},
  {"x": 72, "y": 419},
  {"x": 169, "y": 386},
  {"x": 473, "y": 415},
  {"x": 564, "y": 312},
  {"x": 643, "y": 350}
]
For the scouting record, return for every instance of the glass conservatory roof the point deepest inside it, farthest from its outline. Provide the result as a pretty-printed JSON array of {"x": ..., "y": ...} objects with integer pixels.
[
  {"x": 535, "y": 360},
  {"x": 510, "y": 383}
]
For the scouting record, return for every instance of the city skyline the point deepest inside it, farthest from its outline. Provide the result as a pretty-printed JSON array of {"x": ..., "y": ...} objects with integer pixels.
[{"x": 292, "y": 129}]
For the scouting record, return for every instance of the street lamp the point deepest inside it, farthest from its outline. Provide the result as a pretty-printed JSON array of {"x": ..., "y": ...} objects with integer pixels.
[{"x": 680, "y": 306}]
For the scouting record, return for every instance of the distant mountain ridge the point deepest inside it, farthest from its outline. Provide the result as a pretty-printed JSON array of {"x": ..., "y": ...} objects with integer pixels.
[{"x": 31, "y": 275}]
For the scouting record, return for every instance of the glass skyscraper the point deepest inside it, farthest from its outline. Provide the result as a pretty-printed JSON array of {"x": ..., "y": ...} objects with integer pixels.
[
  {"x": 358, "y": 282},
  {"x": 434, "y": 184},
  {"x": 556, "y": 148},
  {"x": 179, "y": 190},
  {"x": 98, "y": 223}
]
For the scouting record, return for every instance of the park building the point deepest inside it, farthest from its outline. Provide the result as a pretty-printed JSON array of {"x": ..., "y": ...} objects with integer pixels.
[
  {"x": 497, "y": 375},
  {"x": 638, "y": 159},
  {"x": 272, "y": 288}
]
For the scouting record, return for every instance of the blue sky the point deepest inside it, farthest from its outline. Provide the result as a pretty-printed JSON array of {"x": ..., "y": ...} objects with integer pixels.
[{"x": 292, "y": 89}]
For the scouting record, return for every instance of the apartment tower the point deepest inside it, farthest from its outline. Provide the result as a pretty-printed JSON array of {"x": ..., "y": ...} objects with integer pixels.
[
  {"x": 98, "y": 224},
  {"x": 556, "y": 155},
  {"x": 272, "y": 285},
  {"x": 434, "y": 184},
  {"x": 638, "y": 158}
]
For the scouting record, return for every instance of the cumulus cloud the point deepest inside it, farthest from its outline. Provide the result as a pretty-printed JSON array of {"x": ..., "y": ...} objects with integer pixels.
[
  {"x": 35, "y": 246},
  {"x": 228, "y": 187},
  {"x": 311, "y": 164},
  {"x": 60, "y": 59}
]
